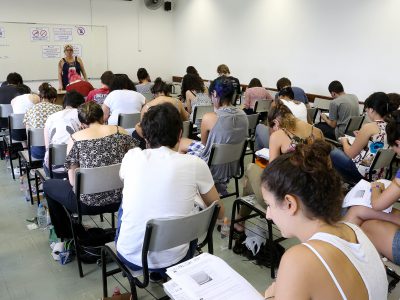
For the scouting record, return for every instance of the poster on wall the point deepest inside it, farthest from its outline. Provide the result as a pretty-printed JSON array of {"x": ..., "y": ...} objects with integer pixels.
[
  {"x": 77, "y": 50},
  {"x": 39, "y": 34},
  {"x": 2, "y": 33},
  {"x": 62, "y": 34},
  {"x": 51, "y": 51}
]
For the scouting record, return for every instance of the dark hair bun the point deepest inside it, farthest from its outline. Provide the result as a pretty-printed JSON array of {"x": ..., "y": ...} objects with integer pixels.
[
  {"x": 46, "y": 91},
  {"x": 90, "y": 112},
  {"x": 307, "y": 174}
]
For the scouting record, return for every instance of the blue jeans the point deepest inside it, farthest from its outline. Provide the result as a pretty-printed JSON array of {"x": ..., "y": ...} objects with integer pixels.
[
  {"x": 38, "y": 152},
  {"x": 261, "y": 137},
  {"x": 345, "y": 166}
]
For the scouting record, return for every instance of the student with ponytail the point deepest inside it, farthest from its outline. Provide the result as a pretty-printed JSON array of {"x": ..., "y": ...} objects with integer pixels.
[
  {"x": 335, "y": 260},
  {"x": 354, "y": 161}
]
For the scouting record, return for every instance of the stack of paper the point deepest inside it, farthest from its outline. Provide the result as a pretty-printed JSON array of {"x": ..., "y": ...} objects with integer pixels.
[
  {"x": 263, "y": 153},
  {"x": 207, "y": 277}
]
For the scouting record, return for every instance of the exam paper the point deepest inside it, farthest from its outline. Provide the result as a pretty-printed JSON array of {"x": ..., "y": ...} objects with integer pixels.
[
  {"x": 360, "y": 194},
  {"x": 263, "y": 153},
  {"x": 207, "y": 277}
]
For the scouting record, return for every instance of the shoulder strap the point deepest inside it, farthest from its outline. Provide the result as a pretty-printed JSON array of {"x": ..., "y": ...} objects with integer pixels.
[
  {"x": 193, "y": 93},
  {"x": 76, "y": 58},
  {"x": 64, "y": 59},
  {"x": 328, "y": 269},
  {"x": 73, "y": 139}
]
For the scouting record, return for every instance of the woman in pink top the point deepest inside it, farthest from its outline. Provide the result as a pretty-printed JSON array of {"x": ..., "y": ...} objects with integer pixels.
[{"x": 254, "y": 92}]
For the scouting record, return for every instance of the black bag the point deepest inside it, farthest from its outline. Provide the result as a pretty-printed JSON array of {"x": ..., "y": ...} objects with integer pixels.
[
  {"x": 263, "y": 256},
  {"x": 91, "y": 241}
]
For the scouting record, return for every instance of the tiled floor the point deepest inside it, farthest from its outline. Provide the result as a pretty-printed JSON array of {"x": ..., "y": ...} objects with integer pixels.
[{"x": 28, "y": 271}]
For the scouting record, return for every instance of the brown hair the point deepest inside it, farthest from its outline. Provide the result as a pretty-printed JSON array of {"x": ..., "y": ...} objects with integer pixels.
[
  {"x": 46, "y": 91},
  {"x": 308, "y": 174},
  {"x": 90, "y": 112},
  {"x": 286, "y": 118},
  {"x": 223, "y": 69}
]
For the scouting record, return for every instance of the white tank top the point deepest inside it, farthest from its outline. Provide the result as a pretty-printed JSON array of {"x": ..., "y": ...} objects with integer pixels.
[
  {"x": 364, "y": 258},
  {"x": 299, "y": 110}
]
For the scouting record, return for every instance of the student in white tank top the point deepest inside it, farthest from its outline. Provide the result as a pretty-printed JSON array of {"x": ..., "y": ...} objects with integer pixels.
[
  {"x": 298, "y": 109},
  {"x": 335, "y": 260}
]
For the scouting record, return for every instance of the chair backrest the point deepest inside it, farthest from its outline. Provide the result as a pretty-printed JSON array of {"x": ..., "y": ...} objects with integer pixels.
[
  {"x": 5, "y": 110},
  {"x": 148, "y": 96},
  {"x": 262, "y": 106},
  {"x": 36, "y": 137},
  {"x": 311, "y": 114},
  {"x": 382, "y": 159},
  {"x": 57, "y": 154},
  {"x": 97, "y": 180},
  {"x": 226, "y": 153},
  {"x": 186, "y": 127},
  {"x": 354, "y": 124},
  {"x": 16, "y": 121},
  {"x": 253, "y": 121},
  {"x": 321, "y": 103},
  {"x": 200, "y": 111},
  {"x": 167, "y": 233},
  {"x": 128, "y": 120}
]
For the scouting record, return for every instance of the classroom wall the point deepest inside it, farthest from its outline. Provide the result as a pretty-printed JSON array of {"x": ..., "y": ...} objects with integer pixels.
[
  {"x": 137, "y": 36},
  {"x": 310, "y": 41}
]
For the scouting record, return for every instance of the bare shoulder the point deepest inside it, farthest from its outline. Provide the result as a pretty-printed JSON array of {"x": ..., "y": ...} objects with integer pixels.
[{"x": 299, "y": 257}]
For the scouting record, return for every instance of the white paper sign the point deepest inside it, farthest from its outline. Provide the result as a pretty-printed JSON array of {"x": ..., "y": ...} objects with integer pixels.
[
  {"x": 77, "y": 50},
  {"x": 62, "y": 34},
  {"x": 2, "y": 33},
  {"x": 39, "y": 34},
  {"x": 51, "y": 51}
]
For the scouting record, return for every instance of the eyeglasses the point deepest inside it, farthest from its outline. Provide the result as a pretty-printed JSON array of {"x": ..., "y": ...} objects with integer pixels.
[{"x": 69, "y": 50}]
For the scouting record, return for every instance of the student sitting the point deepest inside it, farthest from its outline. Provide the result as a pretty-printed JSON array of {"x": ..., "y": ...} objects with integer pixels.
[
  {"x": 227, "y": 125},
  {"x": 354, "y": 161},
  {"x": 334, "y": 260},
  {"x": 97, "y": 145},
  {"x": 299, "y": 94},
  {"x": 179, "y": 179},
  {"x": 145, "y": 84},
  {"x": 383, "y": 228},
  {"x": 78, "y": 84},
  {"x": 288, "y": 133},
  {"x": 195, "y": 94},
  {"x": 161, "y": 91},
  {"x": 123, "y": 98},
  {"x": 99, "y": 95},
  {"x": 37, "y": 115},
  {"x": 61, "y": 125},
  {"x": 254, "y": 92},
  {"x": 298, "y": 109}
]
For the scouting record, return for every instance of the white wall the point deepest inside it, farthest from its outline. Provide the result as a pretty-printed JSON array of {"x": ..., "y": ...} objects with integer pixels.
[
  {"x": 131, "y": 27},
  {"x": 310, "y": 41}
]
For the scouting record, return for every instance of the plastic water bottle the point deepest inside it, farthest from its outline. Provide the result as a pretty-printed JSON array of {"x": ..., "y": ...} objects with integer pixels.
[
  {"x": 225, "y": 228},
  {"x": 41, "y": 216}
]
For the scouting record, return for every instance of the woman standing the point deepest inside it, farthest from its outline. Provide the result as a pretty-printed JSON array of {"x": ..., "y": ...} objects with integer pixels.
[{"x": 66, "y": 63}]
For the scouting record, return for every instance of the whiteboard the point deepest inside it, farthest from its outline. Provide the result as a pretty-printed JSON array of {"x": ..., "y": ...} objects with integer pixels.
[{"x": 34, "y": 50}]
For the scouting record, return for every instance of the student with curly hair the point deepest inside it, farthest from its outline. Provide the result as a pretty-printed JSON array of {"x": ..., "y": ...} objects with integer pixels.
[{"x": 335, "y": 260}]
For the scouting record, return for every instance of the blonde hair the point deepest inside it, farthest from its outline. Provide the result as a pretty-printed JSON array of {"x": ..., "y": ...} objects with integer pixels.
[
  {"x": 68, "y": 46},
  {"x": 223, "y": 69}
]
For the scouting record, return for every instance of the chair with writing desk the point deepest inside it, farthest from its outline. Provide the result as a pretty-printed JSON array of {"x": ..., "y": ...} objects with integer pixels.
[{"x": 162, "y": 234}]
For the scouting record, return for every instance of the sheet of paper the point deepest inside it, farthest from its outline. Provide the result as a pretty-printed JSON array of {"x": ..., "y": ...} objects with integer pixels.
[
  {"x": 360, "y": 194},
  {"x": 174, "y": 291},
  {"x": 263, "y": 153},
  {"x": 207, "y": 277},
  {"x": 350, "y": 138}
]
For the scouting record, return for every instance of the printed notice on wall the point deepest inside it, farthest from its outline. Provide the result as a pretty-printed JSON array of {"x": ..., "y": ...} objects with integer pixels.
[
  {"x": 51, "y": 51},
  {"x": 2, "y": 33},
  {"x": 62, "y": 34},
  {"x": 77, "y": 50},
  {"x": 39, "y": 34}
]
